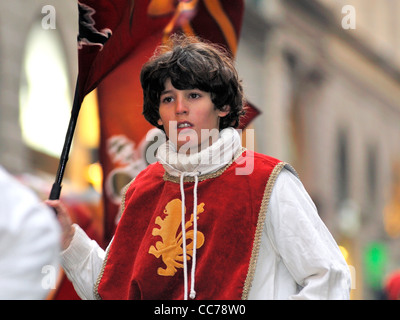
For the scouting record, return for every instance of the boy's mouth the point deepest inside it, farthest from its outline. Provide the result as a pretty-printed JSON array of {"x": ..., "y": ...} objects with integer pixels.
[{"x": 184, "y": 124}]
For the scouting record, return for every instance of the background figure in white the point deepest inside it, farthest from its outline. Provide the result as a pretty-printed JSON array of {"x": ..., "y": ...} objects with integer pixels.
[{"x": 29, "y": 242}]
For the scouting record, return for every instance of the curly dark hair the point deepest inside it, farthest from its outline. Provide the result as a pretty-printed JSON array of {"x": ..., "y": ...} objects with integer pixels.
[{"x": 192, "y": 63}]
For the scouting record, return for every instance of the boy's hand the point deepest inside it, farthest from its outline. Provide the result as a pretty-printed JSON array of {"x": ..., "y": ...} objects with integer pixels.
[{"x": 65, "y": 221}]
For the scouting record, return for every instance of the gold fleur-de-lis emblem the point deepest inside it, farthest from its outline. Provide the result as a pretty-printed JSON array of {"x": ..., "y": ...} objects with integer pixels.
[{"x": 170, "y": 247}]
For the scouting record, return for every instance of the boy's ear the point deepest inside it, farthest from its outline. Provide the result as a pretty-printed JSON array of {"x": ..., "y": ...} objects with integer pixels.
[
  {"x": 224, "y": 111},
  {"x": 159, "y": 122}
]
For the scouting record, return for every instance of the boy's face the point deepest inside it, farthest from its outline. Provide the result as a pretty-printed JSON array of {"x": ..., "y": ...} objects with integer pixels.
[{"x": 189, "y": 117}]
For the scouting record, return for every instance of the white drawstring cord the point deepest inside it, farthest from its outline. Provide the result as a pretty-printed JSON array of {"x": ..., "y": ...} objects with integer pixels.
[
  {"x": 185, "y": 280},
  {"x": 192, "y": 278}
]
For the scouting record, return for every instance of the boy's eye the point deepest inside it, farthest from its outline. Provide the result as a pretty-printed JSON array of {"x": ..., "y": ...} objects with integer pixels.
[
  {"x": 194, "y": 95},
  {"x": 166, "y": 99}
]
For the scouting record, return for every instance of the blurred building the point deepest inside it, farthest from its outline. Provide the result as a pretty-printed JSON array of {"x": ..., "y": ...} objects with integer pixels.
[
  {"x": 324, "y": 73},
  {"x": 38, "y": 69}
]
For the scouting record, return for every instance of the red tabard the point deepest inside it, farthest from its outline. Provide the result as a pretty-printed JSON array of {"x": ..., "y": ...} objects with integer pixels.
[{"x": 145, "y": 259}]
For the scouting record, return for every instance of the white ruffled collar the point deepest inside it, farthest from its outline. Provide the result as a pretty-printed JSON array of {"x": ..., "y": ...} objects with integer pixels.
[{"x": 208, "y": 160}]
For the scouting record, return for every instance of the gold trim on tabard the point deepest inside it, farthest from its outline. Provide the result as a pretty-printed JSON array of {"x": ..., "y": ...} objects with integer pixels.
[
  {"x": 96, "y": 285},
  {"x": 260, "y": 227}
]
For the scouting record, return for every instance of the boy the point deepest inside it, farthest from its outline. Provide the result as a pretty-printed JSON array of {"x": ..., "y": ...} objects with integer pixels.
[{"x": 194, "y": 218}]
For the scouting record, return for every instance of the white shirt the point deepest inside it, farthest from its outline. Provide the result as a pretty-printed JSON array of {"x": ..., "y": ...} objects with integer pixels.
[
  {"x": 298, "y": 257},
  {"x": 29, "y": 242}
]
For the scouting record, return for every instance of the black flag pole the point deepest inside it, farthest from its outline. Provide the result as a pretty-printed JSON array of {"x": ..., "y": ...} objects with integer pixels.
[{"x": 57, "y": 185}]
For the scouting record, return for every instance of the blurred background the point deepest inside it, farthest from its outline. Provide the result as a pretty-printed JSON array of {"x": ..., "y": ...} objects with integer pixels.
[{"x": 325, "y": 75}]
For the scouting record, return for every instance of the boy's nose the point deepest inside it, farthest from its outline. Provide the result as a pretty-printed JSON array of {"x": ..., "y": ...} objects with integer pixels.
[{"x": 181, "y": 107}]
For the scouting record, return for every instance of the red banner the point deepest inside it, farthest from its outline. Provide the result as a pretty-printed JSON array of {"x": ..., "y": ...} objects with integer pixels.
[
  {"x": 121, "y": 36},
  {"x": 108, "y": 31}
]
